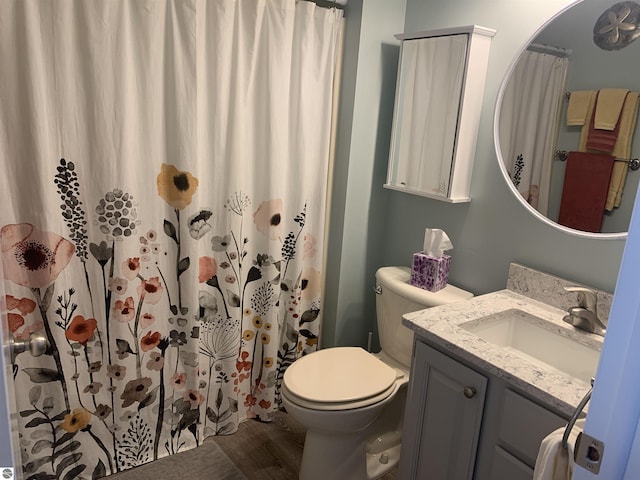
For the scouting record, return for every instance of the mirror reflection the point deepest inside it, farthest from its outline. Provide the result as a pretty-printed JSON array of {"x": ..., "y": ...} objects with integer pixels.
[{"x": 567, "y": 121}]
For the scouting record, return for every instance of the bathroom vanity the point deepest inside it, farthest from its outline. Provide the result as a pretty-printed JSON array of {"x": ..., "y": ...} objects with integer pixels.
[
  {"x": 469, "y": 423},
  {"x": 492, "y": 376}
]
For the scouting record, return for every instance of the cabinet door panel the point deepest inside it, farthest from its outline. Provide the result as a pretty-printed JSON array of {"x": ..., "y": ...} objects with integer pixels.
[
  {"x": 442, "y": 422},
  {"x": 524, "y": 425},
  {"x": 506, "y": 466}
]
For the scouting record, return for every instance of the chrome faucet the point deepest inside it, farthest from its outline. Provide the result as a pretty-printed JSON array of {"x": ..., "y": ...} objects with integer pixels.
[{"x": 585, "y": 315}]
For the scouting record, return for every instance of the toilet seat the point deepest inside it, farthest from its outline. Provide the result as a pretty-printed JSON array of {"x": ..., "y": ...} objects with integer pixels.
[{"x": 339, "y": 378}]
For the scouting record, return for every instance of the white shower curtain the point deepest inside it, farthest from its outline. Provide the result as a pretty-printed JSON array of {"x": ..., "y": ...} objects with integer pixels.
[
  {"x": 529, "y": 123},
  {"x": 165, "y": 172}
]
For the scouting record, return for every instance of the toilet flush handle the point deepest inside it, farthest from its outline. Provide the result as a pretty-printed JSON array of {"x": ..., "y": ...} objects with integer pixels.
[{"x": 377, "y": 289}]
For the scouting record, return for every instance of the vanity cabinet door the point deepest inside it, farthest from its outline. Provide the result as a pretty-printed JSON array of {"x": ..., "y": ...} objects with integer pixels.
[
  {"x": 442, "y": 419},
  {"x": 512, "y": 429},
  {"x": 509, "y": 467},
  {"x": 524, "y": 425}
]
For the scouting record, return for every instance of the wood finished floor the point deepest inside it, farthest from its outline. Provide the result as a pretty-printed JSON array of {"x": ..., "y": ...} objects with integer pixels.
[
  {"x": 270, "y": 451},
  {"x": 266, "y": 451},
  {"x": 261, "y": 451}
]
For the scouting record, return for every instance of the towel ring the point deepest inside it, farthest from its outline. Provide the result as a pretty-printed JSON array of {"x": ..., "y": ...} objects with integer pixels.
[
  {"x": 575, "y": 416},
  {"x": 634, "y": 163}
]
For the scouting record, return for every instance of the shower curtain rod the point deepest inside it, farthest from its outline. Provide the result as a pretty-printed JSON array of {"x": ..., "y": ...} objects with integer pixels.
[
  {"x": 330, "y": 3},
  {"x": 541, "y": 48}
]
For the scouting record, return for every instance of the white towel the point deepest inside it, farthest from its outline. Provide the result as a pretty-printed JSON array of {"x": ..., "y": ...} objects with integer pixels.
[{"x": 555, "y": 462}]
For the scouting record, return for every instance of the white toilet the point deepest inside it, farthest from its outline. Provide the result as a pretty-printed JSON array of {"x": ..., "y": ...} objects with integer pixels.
[{"x": 351, "y": 401}]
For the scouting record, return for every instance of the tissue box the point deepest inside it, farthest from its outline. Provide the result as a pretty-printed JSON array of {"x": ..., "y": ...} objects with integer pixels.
[{"x": 430, "y": 273}]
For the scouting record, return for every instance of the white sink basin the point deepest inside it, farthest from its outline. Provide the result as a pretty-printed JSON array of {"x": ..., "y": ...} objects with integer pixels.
[{"x": 539, "y": 341}]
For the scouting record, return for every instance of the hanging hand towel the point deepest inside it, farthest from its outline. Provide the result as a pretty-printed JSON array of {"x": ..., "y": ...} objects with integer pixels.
[
  {"x": 578, "y": 106},
  {"x": 602, "y": 140},
  {"x": 627, "y": 123},
  {"x": 616, "y": 185},
  {"x": 584, "y": 192},
  {"x": 554, "y": 461},
  {"x": 622, "y": 149},
  {"x": 608, "y": 108}
]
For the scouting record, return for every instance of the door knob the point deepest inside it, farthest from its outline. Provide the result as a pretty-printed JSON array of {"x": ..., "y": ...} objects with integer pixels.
[
  {"x": 37, "y": 344},
  {"x": 469, "y": 392}
]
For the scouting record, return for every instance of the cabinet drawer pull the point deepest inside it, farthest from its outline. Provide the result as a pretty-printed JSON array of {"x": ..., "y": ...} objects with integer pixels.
[{"x": 469, "y": 392}]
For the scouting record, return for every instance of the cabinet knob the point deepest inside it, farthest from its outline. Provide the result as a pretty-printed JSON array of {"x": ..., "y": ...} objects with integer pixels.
[{"x": 469, "y": 392}]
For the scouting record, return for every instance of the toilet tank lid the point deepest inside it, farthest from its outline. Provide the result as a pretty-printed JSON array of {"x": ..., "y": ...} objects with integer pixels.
[{"x": 398, "y": 280}]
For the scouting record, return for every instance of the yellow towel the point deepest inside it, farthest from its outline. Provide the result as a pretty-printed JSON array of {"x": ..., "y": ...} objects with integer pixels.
[
  {"x": 578, "y": 105},
  {"x": 584, "y": 133},
  {"x": 622, "y": 150},
  {"x": 610, "y": 102},
  {"x": 616, "y": 185}
]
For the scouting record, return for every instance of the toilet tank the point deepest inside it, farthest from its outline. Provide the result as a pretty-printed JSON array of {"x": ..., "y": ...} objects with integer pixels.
[{"x": 395, "y": 297}]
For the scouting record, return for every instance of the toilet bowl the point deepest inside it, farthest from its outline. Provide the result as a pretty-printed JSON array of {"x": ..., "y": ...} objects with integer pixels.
[
  {"x": 337, "y": 394},
  {"x": 352, "y": 401}
]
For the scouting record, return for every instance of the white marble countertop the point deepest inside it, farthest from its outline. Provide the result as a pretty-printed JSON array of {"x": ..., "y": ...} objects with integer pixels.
[{"x": 440, "y": 326}]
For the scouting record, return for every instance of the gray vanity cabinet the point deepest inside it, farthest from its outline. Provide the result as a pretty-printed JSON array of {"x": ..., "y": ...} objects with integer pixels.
[
  {"x": 464, "y": 423},
  {"x": 443, "y": 416}
]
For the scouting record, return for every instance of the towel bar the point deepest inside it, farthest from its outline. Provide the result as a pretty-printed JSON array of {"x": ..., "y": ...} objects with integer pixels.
[
  {"x": 634, "y": 163},
  {"x": 575, "y": 416}
]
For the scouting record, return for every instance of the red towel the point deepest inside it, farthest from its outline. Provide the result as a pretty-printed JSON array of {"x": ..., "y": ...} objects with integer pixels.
[
  {"x": 602, "y": 140},
  {"x": 584, "y": 193}
]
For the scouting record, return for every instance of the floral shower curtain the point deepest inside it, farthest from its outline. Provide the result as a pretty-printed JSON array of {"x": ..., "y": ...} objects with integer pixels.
[{"x": 165, "y": 170}]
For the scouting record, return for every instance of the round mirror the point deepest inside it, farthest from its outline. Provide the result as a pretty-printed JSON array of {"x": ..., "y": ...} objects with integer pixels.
[{"x": 581, "y": 63}]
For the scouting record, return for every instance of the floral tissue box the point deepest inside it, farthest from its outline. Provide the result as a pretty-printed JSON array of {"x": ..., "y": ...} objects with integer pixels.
[{"x": 430, "y": 273}]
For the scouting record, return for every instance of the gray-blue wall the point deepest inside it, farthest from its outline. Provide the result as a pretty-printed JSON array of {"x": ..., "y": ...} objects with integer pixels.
[
  {"x": 371, "y": 226},
  {"x": 359, "y": 211}
]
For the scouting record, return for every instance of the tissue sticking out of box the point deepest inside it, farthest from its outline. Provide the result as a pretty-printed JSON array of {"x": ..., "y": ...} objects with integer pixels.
[
  {"x": 430, "y": 268},
  {"x": 436, "y": 242}
]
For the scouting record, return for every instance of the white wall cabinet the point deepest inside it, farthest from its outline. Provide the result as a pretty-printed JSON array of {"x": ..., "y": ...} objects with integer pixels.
[
  {"x": 439, "y": 91},
  {"x": 463, "y": 423}
]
